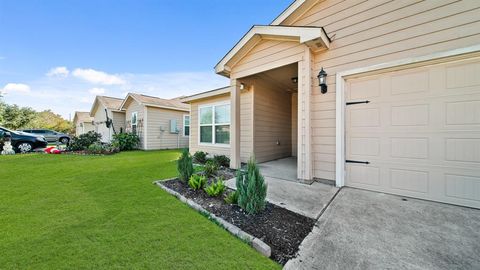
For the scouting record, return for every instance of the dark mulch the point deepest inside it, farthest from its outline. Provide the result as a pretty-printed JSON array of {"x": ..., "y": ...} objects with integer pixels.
[{"x": 281, "y": 229}]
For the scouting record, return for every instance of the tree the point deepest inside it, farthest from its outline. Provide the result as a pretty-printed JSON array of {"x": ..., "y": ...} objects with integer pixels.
[
  {"x": 2, "y": 108},
  {"x": 15, "y": 117},
  {"x": 50, "y": 120}
]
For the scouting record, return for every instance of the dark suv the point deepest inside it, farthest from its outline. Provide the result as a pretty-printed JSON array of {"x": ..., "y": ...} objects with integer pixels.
[
  {"x": 50, "y": 135},
  {"x": 21, "y": 141}
]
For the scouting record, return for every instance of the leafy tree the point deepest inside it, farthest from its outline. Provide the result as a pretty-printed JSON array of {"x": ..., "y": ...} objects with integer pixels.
[
  {"x": 50, "y": 120},
  {"x": 15, "y": 117}
]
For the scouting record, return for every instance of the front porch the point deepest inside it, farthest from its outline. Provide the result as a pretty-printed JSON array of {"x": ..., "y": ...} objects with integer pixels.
[{"x": 284, "y": 189}]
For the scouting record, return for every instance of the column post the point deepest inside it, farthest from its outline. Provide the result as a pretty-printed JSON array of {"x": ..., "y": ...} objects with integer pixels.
[{"x": 235, "y": 124}]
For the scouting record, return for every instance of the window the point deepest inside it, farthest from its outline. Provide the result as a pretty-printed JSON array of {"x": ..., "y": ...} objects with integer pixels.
[
  {"x": 133, "y": 121},
  {"x": 186, "y": 125},
  {"x": 215, "y": 124}
]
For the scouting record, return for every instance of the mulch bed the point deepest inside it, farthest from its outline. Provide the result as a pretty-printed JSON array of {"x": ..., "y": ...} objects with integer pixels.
[{"x": 281, "y": 229}]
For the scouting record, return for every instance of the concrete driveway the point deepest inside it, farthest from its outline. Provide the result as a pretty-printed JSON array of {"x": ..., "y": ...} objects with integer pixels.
[{"x": 369, "y": 230}]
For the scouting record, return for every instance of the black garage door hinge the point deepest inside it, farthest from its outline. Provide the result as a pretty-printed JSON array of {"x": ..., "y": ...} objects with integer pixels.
[
  {"x": 358, "y": 102},
  {"x": 357, "y": 161}
]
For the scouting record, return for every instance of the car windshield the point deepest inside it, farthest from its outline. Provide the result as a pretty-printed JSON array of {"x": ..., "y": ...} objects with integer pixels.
[{"x": 8, "y": 130}]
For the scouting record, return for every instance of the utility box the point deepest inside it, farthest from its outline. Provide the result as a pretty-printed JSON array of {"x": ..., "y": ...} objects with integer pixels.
[{"x": 173, "y": 126}]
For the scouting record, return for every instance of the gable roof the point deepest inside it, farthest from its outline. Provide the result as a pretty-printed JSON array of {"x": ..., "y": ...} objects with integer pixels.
[
  {"x": 82, "y": 117},
  {"x": 111, "y": 103},
  {"x": 314, "y": 37},
  {"x": 171, "y": 104},
  {"x": 207, "y": 94},
  {"x": 295, "y": 10}
]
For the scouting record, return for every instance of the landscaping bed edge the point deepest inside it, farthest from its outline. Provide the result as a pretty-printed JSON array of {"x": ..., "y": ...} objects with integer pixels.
[{"x": 254, "y": 242}]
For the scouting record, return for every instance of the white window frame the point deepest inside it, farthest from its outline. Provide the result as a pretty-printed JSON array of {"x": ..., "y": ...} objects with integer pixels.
[
  {"x": 213, "y": 124},
  {"x": 189, "y": 124},
  {"x": 136, "y": 122}
]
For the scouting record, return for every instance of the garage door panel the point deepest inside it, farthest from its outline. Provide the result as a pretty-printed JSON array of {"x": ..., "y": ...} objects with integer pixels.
[{"x": 420, "y": 134}]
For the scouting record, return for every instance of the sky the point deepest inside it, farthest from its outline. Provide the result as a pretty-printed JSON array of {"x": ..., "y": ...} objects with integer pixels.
[{"x": 59, "y": 54}]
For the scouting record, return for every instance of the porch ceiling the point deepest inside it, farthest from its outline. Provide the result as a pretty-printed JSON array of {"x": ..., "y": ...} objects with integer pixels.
[{"x": 313, "y": 37}]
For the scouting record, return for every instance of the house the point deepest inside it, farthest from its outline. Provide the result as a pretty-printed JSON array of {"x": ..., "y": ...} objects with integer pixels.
[
  {"x": 160, "y": 123},
  {"x": 378, "y": 95},
  {"x": 83, "y": 123},
  {"x": 103, "y": 106}
]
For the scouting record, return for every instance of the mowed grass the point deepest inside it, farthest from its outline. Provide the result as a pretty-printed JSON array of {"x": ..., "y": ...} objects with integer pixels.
[{"x": 103, "y": 212}]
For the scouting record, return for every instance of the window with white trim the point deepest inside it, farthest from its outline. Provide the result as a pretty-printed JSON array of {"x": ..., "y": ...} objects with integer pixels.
[
  {"x": 186, "y": 125},
  {"x": 214, "y": 124},
  {"x": 134, "y": 122}
]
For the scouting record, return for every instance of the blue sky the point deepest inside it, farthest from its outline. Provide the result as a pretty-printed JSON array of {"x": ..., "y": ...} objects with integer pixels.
[{"x": 58, "y": 54}]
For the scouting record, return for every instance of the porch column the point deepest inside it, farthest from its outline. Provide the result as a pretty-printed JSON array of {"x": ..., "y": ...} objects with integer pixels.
[
  {"x": 235, "y": 124},
  {"x": 304, "y": 159}
]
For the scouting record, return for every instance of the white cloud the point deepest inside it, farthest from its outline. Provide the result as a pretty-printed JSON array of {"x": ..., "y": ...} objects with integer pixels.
[
  {"x": 97, "y": 91},
  {"x": 100, "y": 77},
  {"x": 58, "y": 72},
  {"x": 15, "y": 87}
]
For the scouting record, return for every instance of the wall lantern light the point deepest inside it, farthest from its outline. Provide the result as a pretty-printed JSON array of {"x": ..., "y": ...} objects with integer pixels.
[
  {"x": 322, "y": 81},
  {"x": 295, "y": 80}
]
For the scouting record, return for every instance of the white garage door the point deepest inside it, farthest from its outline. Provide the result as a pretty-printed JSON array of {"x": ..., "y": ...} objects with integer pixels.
[{"x": 419, "y": 133}]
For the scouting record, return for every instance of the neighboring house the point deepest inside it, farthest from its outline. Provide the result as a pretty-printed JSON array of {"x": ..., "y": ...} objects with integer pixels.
[
  {"x": 160, "y": 123},
  {"x": 83, "y": 123},
  {"x": 398, "y": 112},
  {"x": 111, "y": 105}
]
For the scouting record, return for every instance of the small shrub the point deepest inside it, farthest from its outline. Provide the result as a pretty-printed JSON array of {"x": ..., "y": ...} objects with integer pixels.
[
  {"x": 200, "y": 157},
  {"x": 197, "y": 182},
  {"x": 126, "y": 141},
  {"x": 185, "y": 166},
  {"x": 101, "y": 149},
  {"x": 251, "y": 188},
  {"x": 216, "y": 188},
  {"x": 83, "y": 141},
  {"x": 222, "y": 160},
  {"x": 232, "y": 198},
  {"x": 210, "y": 168}
]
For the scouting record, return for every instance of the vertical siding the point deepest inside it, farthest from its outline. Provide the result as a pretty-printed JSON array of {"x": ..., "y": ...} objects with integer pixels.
[
  {"x": 273, "y": 122},
  {"x": 366, "y": 33},
  {"x": 158, "y": 120},
  {"x": 133, "y": 106},
  {"x": 246, "y": 144}
]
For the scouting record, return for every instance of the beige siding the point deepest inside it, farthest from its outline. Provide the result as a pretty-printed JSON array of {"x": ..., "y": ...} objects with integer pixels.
[
  {"x": 273, "y": 122},
  {"x": 158, "y": 129},
  {"x": 87, "y": 126},
  {"x": 267, "y": 55},
  {"x": 294, "y": 123},
  {"x": 118, "y": 119},
  {"x": 366, "y": 33},
  {"x": 133, "y": 106},
  {"x": 246, "y": 144},
  {"x": 101, "y": 128}
]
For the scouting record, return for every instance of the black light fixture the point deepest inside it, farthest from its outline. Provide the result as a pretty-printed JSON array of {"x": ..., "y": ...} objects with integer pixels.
[
  {"x": 322, "y": 81},
  {"x": 295, "y": 80}
]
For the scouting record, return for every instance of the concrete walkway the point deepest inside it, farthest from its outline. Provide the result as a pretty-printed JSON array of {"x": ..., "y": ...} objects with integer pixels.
[
  {"x": 369, "y": 230},
  {"x": 285, "y": 169},
  {"x": 307, "y": 200}
]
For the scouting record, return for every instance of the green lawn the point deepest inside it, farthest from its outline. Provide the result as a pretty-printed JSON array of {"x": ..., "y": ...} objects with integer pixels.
[{"x": 97, "y": 212}]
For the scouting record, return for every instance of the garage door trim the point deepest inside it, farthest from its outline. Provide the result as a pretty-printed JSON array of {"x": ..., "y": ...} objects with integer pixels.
[{"x": 341, "y": 77}]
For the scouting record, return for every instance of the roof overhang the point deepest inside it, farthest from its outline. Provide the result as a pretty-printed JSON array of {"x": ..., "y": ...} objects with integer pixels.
[
  {"x": 313, "y": 37},
  {"x": 94, "y": 107},
  {"x": 294, "y": 11},
  {"x": 207, "y": 94},
  {"x": 129, "y": 95}
]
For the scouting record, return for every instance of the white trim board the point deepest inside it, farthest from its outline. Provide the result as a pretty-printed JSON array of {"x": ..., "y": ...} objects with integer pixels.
[{"x": 431, "y": 59}]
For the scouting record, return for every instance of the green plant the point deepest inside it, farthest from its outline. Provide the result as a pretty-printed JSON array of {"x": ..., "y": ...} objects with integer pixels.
[
  {"x": 251, "y": 188},
  {"x": 200, "y": 157},
  {"x": 222, "y": 160},
  {"x": 197, "y": 182},
  {"x": 185, "y": 166},
  {"x": 126, "y": 141},
  {"x": 216, "y": 188},
  {"x": 232, "y": 198},
  {"x": 101, "y": 149},
  {"x": 211, "y": 168},
  {"x": 84, "y": 141}
]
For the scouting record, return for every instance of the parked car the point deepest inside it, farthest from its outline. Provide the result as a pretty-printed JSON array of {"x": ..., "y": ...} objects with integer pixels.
[
  {"x": 50, "y": 135},
  {"x": 21, "y": 141}
]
